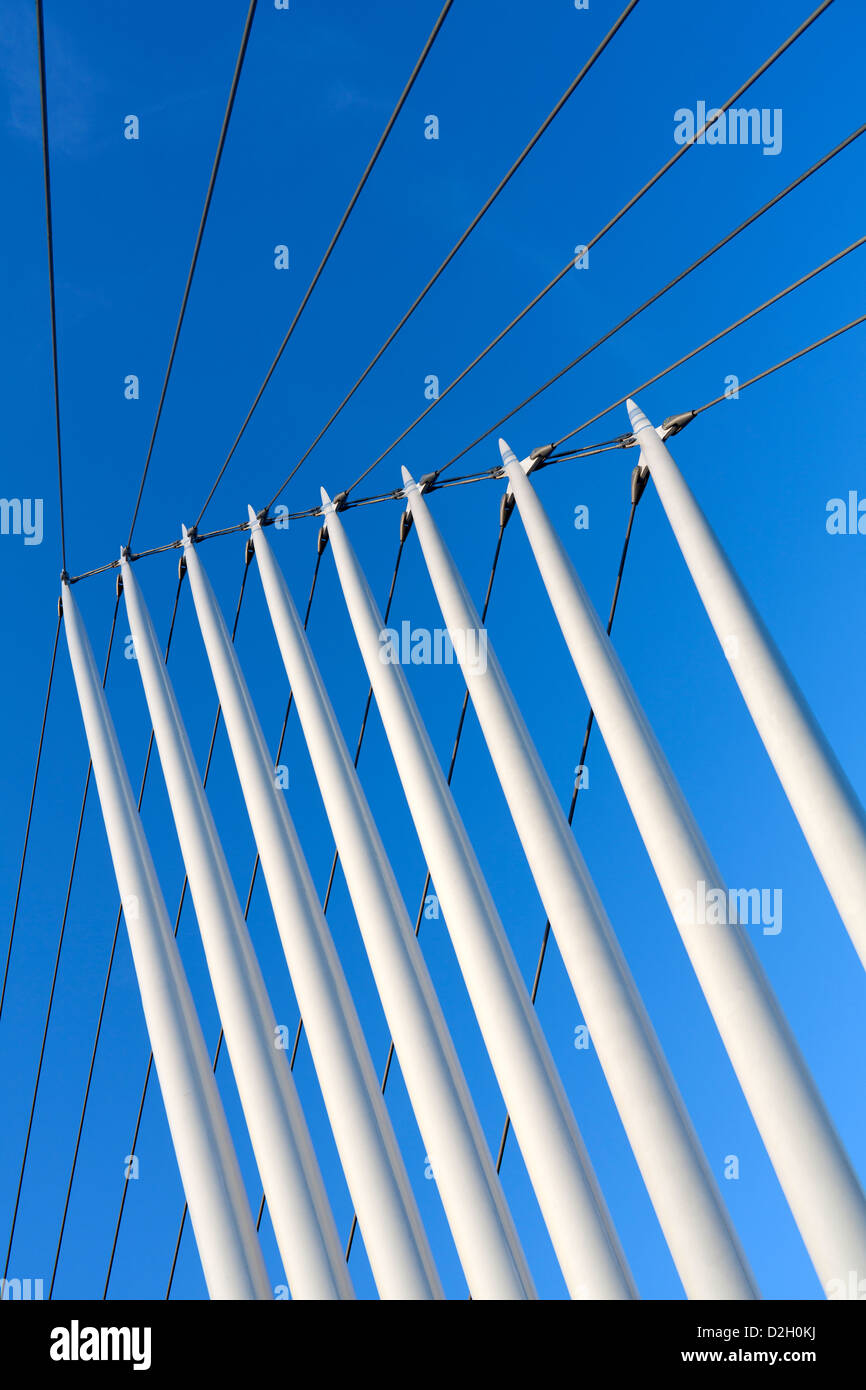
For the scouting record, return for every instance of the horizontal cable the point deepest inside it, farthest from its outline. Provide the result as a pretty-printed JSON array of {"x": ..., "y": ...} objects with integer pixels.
[
  {"x": 545, "y": 936},
  {"x": 395, "y": 494},
  {"x": 584, "y": 452}
]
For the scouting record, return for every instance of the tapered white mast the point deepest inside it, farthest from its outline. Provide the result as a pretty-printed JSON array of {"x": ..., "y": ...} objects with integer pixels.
[
  {"x": 813, "y": 1168},
  {"x": 221, "y": 1219},
  {"x": 568, "y": 1193},
  {"x": 394, "y": 1237},
  {"x": 481, "y": 1224},
  {"x": 701, "y": 1238},
  {"x": 823, "y": 800},
  {"x": 297, "y": 1201}
]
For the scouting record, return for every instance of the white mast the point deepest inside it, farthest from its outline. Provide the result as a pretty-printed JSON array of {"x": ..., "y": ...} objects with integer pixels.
[
  {"x": 394, "y": 1237},
  {"x": 823, "y": 800},
  {"x": 481, "y": 1224},
  {"x": 297, "y": 1200},
  {"x": 226, "y": 1238},
  {"x": 811, "y": 1164},
  {"x": 571, "y": 1201},
  {"x": 699, "y": 1233}
]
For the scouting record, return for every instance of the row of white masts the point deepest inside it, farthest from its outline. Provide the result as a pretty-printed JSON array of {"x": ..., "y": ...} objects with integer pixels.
[{"x": 814, "y": 1171}]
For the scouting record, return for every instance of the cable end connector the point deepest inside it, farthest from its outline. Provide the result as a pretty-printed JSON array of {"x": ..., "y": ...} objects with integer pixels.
[
  {"x": 405, "y": 524},
  {"x": 125, "y": 559},
  {"x": 674, "y": 423},
  {"x": 639, "y": 479},
  {"x": 538, "y": 457},
  {"x": 671, "y": 425},
  {"x": 506, "y": 507},
  {"x": 322, "y": 541}
]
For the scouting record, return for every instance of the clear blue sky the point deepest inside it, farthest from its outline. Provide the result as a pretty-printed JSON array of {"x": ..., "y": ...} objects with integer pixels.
[{"x": 318, "y": 86}]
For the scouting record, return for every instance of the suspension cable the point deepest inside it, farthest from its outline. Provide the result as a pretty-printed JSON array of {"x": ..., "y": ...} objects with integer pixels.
[
  {"x": 208, "y": 198},
  {"x": 434, "y": 483},
  {"x": 458, "y": 735},
  {"x": 193, "y": 263},
  {"x": 54, "y": 975},
  {"x": 30, "y": 808},
  {"x": 668, "y": 165},
  {"x": 333, "y": 242},
  {"x": 611, "y": 332},
  {"x": 717, "y": 337},
  {"x": 463, "y": 238},
  {"x": 506, "y": 1128}
]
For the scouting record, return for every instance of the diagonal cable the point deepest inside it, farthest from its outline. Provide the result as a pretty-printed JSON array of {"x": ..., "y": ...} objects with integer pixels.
[
  {"x": 194, "y": 262},
  {"x": 683, "y": 274},
  {"x": 506, "y": 1128},
  {"x": 456, "y": 746},
  {"x": 612, "y": 222},
  {"x": 464, "y": 237},
  {"x": 723, "y": 333},
  {"x": 333, "y": 242}
]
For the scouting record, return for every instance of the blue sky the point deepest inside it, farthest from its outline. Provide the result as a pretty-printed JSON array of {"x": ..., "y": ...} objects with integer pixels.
[{"x": 318, "y": 86}]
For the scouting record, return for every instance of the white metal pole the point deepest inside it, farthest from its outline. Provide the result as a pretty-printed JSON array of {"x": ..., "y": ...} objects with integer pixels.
[
  {"x": 813, "y": 1168},
  {"x": 297, "y": 1201},
  {"x": 483, "y": 1229},
  {"x": 821, "y": 796},
  {"x": 221, "y": 1219},
  {"x": 559, "y": 1168},
  {"x": 394, "y": 1236},
  {"x": 699, "y": 1233}
]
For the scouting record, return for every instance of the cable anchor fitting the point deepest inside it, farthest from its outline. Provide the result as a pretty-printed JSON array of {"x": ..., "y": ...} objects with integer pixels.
[
  {"x": 538, "y": 457},
  {"x": 674, "y": 423},
  {"x": 639, "y": 479}
]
